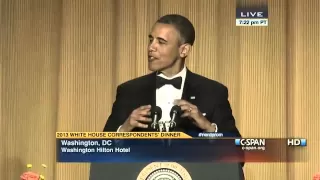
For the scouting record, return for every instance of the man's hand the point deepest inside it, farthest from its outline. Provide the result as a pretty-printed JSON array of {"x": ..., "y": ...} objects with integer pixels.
[
  {"x": 192, "y": 112},
  {"x": 137, "y": 119}
]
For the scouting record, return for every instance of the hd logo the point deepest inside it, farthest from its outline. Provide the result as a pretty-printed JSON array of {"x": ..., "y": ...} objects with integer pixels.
[{"x": 251, "y": 144}]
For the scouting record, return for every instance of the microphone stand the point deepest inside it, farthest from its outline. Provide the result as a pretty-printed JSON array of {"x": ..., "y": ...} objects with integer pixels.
[
  {"x": 161, "y": 124},
  {"x": 171, "y": 121},
  {"x": 154, "y": 123},
  {"x": 169, "y": 126},
  {"x": 163, "y": 128}
]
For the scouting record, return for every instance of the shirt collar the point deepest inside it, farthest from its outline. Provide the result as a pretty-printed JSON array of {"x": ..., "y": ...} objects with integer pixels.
[{"x": 182, "y": 74}]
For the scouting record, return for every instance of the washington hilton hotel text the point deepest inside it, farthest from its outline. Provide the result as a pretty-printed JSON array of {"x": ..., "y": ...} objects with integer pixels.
[{"x": 91, "y": 146}]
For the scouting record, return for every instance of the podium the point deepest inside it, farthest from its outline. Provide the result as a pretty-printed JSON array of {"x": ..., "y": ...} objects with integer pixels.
[{"x": 154, "y": 171}]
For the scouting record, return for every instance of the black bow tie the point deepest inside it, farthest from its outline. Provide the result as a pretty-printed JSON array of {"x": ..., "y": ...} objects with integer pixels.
[{"x": 175, "y": 82}]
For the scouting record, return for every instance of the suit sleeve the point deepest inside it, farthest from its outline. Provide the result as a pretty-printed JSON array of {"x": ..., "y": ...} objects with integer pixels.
[
  {"x": 223, "y": 116},
  {"x": 118, "y": 114}
]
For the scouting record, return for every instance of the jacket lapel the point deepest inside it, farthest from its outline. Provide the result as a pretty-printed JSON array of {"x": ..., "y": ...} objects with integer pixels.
[
  {"x": 188, "y": 94},
  {"x": 190, "y": 88},
  {"x": 186, "y": 88},
  {"x": 149, "y": 91},
  {"x": 152, "y": 96}
]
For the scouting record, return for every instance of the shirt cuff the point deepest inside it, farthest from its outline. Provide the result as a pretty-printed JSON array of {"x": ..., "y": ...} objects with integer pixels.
[
  {"x": 119, "y": 128},
  {"x": 216, "y": 127}
]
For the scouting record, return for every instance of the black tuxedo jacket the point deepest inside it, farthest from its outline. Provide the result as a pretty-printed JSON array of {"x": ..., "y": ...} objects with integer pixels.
[{"x": 209, "y": 96}]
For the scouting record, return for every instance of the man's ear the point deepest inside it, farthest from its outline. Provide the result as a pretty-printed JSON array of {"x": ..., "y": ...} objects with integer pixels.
[{"x": 185, "y": 49}]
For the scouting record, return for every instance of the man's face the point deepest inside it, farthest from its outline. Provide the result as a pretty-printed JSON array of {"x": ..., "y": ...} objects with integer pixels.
[{"x": 163, "y": 48}]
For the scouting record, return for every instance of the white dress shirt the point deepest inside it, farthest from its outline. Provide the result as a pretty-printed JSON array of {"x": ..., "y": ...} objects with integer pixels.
[{"x": 165, "y": 97}]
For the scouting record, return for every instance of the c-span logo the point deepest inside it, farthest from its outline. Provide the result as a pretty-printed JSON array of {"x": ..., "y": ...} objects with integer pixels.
[{"x": 164, "y": 171}]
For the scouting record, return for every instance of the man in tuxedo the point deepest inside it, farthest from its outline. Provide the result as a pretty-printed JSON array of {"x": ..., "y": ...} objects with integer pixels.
[{"x": 204, "y": 102}]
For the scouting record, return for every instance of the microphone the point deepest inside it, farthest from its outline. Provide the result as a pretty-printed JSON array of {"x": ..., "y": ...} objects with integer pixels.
[
  {"x": 161, "y": 126},
  {"x": 175, "y": 111},
  {"x": 156, "y": 114}
]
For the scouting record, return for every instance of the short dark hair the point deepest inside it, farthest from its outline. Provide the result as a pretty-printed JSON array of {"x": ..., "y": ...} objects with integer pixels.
[{"x": 182, "y": 24}]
